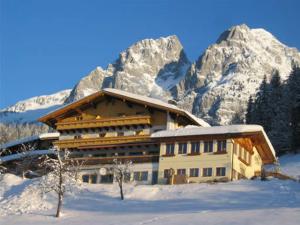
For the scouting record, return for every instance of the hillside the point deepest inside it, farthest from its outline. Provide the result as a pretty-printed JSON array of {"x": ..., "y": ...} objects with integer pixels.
[{"x": 249, "y": 202}]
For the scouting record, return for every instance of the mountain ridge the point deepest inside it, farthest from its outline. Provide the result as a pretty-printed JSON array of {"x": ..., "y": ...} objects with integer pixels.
[{"x": 215, "y": 87}]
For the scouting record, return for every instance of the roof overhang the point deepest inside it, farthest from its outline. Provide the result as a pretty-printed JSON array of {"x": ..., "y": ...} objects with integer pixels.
[{"x": 51, "y": 117}]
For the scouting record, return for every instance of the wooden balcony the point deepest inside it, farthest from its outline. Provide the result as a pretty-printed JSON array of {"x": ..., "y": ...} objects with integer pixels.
[
  {"x": 109, "y": 160},
  {"x": 76, "y": 143},
  {"x": 104, "y": 122}
]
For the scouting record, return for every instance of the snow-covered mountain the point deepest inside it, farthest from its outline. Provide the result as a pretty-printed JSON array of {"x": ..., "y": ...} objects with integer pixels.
[
  {"x": 29, "y": 110},
  {"x": 215, "y": 87},
  {"x": 149, "y": 67},
  {"x": 219, "y": 83}
]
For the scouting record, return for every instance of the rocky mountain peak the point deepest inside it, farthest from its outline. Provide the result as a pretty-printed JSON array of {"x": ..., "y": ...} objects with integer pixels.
[
  {"x": 149, "y": 67},
  {"x": 239, "y": 32}
]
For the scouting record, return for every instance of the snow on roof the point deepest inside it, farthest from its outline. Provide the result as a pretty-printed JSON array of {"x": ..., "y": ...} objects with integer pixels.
[
  {"x": 29, "y": 139},
  {"x": 155, "y": 101},
  {"x": 229, "y": 129},
  {"x": 21, "y": 155}
]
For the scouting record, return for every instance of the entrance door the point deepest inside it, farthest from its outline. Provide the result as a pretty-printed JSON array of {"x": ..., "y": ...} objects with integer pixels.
[{"x": 154, "y": 177}]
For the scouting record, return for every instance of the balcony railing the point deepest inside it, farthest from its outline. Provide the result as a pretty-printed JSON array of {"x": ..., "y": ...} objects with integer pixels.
[
  {"x": 105, "y": 122},
  {"x": 109, "y": 160},
  {"x": 75, "y": 143}
]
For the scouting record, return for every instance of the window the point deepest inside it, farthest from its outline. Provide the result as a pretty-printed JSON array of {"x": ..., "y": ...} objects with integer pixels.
[
  {"x": 221, "y": 146},
  {"x": 85, "y": 178},
  {"x": 208, "y": 146},
  {"x": 207, "y": 172},
  {"x": 77, "y": 137},
  {"x": 140, "y": 176},
  {"x": 181, "y": 172},
  {"x": 135, "y": 153},
  {"x": 93, "y": 178},
  {"x": 195, "y": 148},
  {"x": 182, "y": 148},
  {"x": 170, "y": 149},
  {"x": 221, "y": 171},
  {"x": 194, "y": 172}
]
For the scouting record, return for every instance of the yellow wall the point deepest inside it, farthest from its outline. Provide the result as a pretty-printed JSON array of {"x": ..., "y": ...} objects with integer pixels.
[
  {"x": 204, "y": 160},
  {"x": 208, "y": 160}
]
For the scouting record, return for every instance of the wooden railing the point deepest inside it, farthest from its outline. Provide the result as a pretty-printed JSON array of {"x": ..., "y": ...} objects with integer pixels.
[
  {"x": 105, "y": 122},
  {"x": 109, "y": 160},
  {"x": 75, "y": 143}
]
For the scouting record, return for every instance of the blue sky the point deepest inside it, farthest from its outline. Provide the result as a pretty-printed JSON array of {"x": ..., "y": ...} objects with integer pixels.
[{"x": 48, "y": 45}]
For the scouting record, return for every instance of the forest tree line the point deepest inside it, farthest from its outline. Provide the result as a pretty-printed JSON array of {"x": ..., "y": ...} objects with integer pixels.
[{"x": 276, "y": 106}]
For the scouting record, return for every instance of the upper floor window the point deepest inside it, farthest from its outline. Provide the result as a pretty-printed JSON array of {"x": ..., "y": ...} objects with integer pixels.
[
  {"x": 182, "y": 149},
  {"x": 170, "y": 149},
  {"x": 207, "y": 172},
  {"x": 221, "y": 171},
  {"x": 208, "y": 146},
  {"x": 77, "y": 137},
  {"x": 78, "y": 118},
  {"x": 195, "y": 148},
  {"x": 221, "y": 146}
]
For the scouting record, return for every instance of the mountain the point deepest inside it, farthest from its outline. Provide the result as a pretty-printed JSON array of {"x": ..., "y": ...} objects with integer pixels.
[
  {"x": 149, "y": 67},
  {"x": 29, "y": 110},
  {"x": 216, "y": 87}
]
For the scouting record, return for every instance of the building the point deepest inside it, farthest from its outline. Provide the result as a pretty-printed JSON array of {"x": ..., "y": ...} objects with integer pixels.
[
  {"x": 220, "y": 153},
  {"x": 14, "y": 151},
  {"x": 113, "y": 124},
  {"x": 166, "y": 144}
]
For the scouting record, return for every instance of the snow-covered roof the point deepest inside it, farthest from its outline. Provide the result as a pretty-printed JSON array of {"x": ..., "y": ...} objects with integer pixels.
[
  {"x": 215, "y": 130},
  {"x": 127, "y": 95},
  {"x": 21, "y": 155},
  {"x": 29, "y": 139}
]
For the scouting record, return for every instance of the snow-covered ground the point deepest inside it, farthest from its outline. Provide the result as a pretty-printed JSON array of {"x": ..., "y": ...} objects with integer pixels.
[{"x": 242, "y": 202}]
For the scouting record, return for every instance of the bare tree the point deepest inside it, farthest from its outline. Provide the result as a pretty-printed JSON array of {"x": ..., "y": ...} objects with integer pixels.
[
  {"x": 122, "y": 173},
  {"x": 62, "y": 176}
]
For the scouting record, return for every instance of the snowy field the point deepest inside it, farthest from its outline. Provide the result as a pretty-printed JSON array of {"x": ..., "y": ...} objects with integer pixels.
[{"x": 242, "y": 202}]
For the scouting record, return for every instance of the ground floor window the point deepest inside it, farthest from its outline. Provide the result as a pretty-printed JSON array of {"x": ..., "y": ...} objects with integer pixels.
[
  {"x": 194, "y": 172},
  {"x": 166, "y": 173},
  {"x": 140, "y": 176},
  {"x": 181, "y": 172},
  {"x": 221, "y": 171},
  {"x": 107, "y": 179},
  {"x": 85, "y": 178},
  {"x": 89, "y": 178},
  {"x": 207, "y": 172}
]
